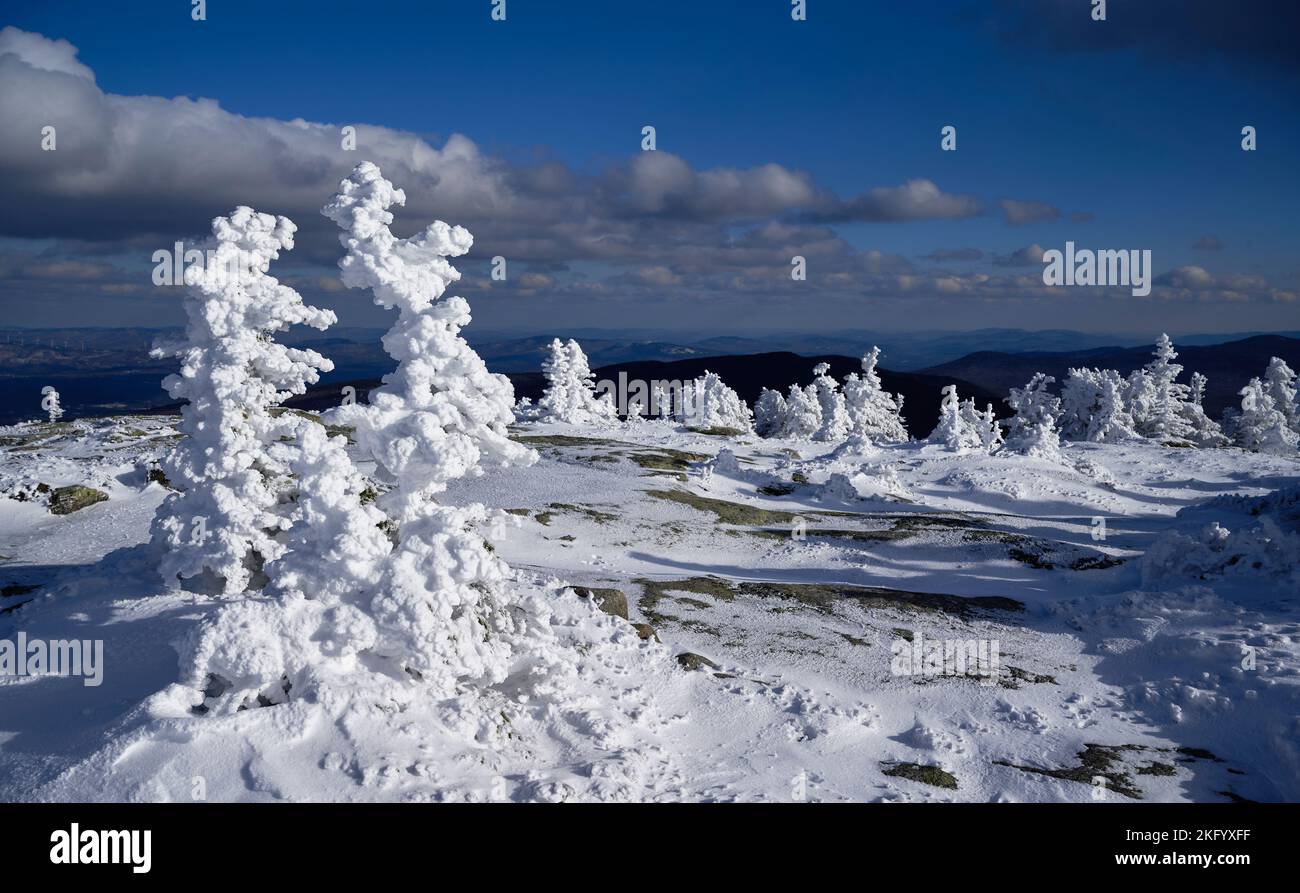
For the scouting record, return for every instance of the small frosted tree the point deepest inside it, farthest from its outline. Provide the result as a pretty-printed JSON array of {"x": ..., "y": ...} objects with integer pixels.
[
  {"x": 570, "y": 388},
  {"x": 769, "y": 414},
  {"x": 834, "y": 424},
  {"x": 443, "y": 612},
  {"x": 1261, "y": 426},
  {"x": 708, "y": 403},
  {"x": 952, "y": 431},
  {"x": 1033, "y": 429},
  {"x": 1205, "y": 432},
  {"x": 50, "y": 403},
  {"x": 1093, "y": 407},
  {"x": 222, "y": 525},
  {"x": 803, "y": 412},
  {"x": 873, "y": 412},
  {"x": 984, "y": 423}
]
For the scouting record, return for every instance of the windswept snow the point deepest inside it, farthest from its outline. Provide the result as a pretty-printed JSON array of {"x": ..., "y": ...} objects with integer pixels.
[{"x": 1139, "y": 644}]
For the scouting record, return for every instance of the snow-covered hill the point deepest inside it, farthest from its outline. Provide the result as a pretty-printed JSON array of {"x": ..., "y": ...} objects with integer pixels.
[{"x": 769, "y": 587}]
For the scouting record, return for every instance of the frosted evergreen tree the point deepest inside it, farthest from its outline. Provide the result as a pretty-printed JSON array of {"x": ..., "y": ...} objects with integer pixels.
[
  {"x": 952, "y": 431},
  {"x": 985, "y": 425},
  {"x": 1093, "y": 407},
  {"x": 222, "y": 526},
  {"x": 1280, "y": 381},
  {"x": 873, "y": 412},
  {"x": 834, "y": 424},
  {"x": 1261, "y": 426},
  {"x": 1165, "y": 418},
  {"x": 50, "y": 403},
  {"x": 803, "y": 413},
  {"x": 769, "y": 414},
  {"x": 1033, "y": 429},
  {"x": 570, "y": 388},
  {"x": 708, "y": 403},
  {"x": 443, "y": 613},
  {"x": 1205, "y": 432}
]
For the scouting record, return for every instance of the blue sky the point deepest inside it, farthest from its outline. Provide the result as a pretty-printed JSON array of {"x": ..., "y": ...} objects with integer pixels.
[{"x": 1130, "y": 135}]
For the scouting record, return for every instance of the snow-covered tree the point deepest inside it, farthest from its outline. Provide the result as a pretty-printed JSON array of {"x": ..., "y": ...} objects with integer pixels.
[
  {"x": 1163, "y": 399},
  {"x": 1093, "y": 407},
  {"x": 443, "y": 612},
  {"x": 50, "y": 403},
  {"x": 803, "y": 413},
  {"x": 708, "y": 403},
  {"x": 985, "y": 425},
  {"x": 222, "y": 525},
  {"x": 570, "y": 388},
  {"x": 769, "y": 414},
  {"x": 872, "y": 411},
  {"x": 1033, "y": 429},
  {"x": 1261, "y": 426},
  {"x": 1280, "y": 381},
  {"x": 952, "y": 431},
  {"x": 834, "y": 424},
  {"x": 1205, "y": 432}
]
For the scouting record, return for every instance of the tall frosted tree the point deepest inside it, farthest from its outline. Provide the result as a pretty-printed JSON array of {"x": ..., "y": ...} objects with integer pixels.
[
  {"x": 222, "y": 526},
  {"x": 1280, "y": 381},
  {"x": 872, "y": 411},
  {"x": 834, "y": 416},
  {"x": 443, "y": 613},
  {"x": 1163, "y": 399}
]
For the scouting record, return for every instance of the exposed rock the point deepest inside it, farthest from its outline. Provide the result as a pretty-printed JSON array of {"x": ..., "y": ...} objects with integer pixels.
[
  {"x": 66, "y": 500},
  {"x": 691, "y": 661},
  {"x": 611, "y": 601}
]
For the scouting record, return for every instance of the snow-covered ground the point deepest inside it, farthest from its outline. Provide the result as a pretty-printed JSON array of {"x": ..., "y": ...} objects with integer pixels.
[{"x": 1144, "y": 654}]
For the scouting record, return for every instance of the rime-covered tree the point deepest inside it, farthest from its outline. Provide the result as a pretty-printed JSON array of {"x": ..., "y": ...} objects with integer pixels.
[
  {"x": 1280, "y": 381},
  {"x": 222, "y": 525},
  {"x": 769, "y": 414},
  {"x": 1163, "y": 399},
  {"x": 873, "y": 412},
  {"x": 952, "y": 431},
  {"x": 984, "y": 423},
  {"x": 1261, "y": 426},
  {"x": 708, "y": 403},
  {"x": 1093, "y": 407},
  {"x": 1033, "y": 429},
  {"x": 803, "y": 413},
  {"x": 443, "y": 612},
  {"x": 570, "y": 388},
  {"x": 834, "y": 424},
  {"x": 50, "y": 403},
  {"x": 1205, "y": 432}
]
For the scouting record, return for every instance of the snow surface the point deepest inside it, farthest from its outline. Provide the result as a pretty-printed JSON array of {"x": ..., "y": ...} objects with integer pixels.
[{"x": 1141, "y": 650}]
